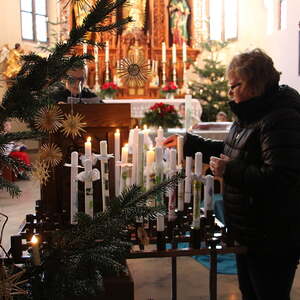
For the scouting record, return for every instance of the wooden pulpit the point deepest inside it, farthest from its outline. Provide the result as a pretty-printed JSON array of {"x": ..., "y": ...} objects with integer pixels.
[{"x": 101, "y": 120}]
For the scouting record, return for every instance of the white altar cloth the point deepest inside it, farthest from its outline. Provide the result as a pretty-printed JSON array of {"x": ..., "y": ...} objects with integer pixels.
[{"x": 139, "y": 106}]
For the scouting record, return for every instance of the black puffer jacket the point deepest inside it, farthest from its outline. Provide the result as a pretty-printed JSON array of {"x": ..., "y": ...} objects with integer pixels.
[{"x": 262, "y": 179}]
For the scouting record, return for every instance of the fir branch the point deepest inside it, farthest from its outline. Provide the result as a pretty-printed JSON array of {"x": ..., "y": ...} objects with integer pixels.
[{"x": 11, "y": 188}]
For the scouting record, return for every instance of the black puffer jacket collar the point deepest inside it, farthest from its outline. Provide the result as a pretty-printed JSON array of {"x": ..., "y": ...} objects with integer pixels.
[{"x": 256, "y": 108}]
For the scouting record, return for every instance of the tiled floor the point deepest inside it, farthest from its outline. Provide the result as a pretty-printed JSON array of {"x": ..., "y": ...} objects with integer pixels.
[{"x": 152, "y": 277}]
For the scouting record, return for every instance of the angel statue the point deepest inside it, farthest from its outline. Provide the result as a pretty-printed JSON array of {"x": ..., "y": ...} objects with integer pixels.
[{"x": 14, "y": 63}]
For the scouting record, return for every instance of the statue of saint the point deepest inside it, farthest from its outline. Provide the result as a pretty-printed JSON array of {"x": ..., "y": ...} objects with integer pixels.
[
  {"x": 179, "y": 12},
  {"x": 14, "y": 63},
  {"x": 135, "y": 50},
  {"x": 137, "y": 10}
]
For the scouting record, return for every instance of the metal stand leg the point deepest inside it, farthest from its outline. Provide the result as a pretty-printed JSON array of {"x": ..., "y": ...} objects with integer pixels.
[
  {"x": 213, "y": 273},
  {"x": 174, "y": 278}
]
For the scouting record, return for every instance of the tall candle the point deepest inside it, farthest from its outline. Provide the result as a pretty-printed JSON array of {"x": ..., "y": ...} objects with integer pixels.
[
  {"x": 180, "y": 140},
  {"x": 160, "y": 132},
  {"x": 174, "y": 59},
  {"x": 140, "y": 159},
  {"x": 74, "y": 186},
  {"x": 160, "y": 223},
  {"x": 84, "y": 48},
  {"x": 88, "y": 148},
  {"x": 135, "y": 154},
  {"x": 159, "y": 172},
  {"x": 187, "y": 180},
  {"x": 96, "y": 53},
  {"x": 198, "y": 163},
  {"x": 104, "y": 175},
  {"x": 184, "y": 52},
  {"x": 88, "y": 188},
  {"x": 149, "y": 168},
  {"x": 107, "y": 51},
  {"x": 35, "y": 245},
  {"x": 150, "y": 157},
  {"x": 124, "y": 155},
  {"x": 163, "y": 52},
  {"x": 208, "y": 193},
  {"x": 117, "y": 159}
]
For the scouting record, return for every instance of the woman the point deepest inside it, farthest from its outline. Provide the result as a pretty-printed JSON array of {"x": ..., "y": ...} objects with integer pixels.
[{"x": 260, "y": 165}]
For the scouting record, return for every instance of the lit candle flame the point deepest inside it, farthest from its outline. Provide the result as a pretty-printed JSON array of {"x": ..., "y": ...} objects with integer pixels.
[
  {"x": 34, "y": 240},
  {"x": 89, "y": 139},
  {"x": 118, "y": 131},
  {"x": 145, "y": 127}
]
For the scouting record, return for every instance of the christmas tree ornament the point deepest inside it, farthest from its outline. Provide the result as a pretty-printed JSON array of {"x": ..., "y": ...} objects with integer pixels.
[
  {"x": 51, "y": 154},
  {"x": 48, "y": 118},
  {"x": 73, "y": 125},
  {"x": 40, "y": 171}
]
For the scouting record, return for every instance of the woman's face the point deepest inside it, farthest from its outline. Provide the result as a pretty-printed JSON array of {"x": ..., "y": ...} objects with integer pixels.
[{"x": 238, "y": 91}]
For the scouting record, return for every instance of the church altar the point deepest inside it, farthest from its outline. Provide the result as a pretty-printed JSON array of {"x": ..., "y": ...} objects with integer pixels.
[{"x": 139, "y": 106}]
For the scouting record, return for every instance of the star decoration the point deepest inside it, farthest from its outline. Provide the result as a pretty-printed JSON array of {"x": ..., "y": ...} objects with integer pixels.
[
  {"x": 40, "y": 171},
  {"x": 10, "y": 284},
  {"x": 73, "y": 125},
  {"x": 51, "y": 154},
  {"x": 48, "y": 119},
  {"x": 134, "y": 71}
]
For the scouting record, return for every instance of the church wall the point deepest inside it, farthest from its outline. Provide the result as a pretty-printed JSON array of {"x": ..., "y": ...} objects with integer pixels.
[{"x": 10, "y": 23}]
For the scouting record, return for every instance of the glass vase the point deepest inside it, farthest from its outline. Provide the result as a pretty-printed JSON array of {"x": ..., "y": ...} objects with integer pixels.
[{"x": 170, "y": 96}]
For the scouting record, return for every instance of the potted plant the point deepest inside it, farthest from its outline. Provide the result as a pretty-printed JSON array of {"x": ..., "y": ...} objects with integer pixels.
[
  {"x": 162, "y": 114},
  {"x": 108, "y": 90},
  {"x": 169, "y": 90}
]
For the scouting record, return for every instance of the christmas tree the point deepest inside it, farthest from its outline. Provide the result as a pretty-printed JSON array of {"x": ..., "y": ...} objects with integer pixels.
[{"x": 211, "y": 89}]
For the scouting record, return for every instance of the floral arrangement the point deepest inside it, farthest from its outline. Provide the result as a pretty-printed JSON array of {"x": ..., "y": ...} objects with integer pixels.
[
  {"x": 170, "y": 87},
  {"x": 161, "y": 114},
  {"x": 109, "y": 89}
]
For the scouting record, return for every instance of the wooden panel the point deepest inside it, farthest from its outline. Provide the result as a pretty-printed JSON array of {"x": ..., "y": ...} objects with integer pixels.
[{"x": 102, "y": 121}]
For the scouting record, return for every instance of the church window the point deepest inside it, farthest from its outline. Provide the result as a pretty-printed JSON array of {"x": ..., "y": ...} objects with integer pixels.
[
  {"x": 282, "y": 14},
  {"x": 34, "y": 20},
  {"x": 223, "y": 19}
]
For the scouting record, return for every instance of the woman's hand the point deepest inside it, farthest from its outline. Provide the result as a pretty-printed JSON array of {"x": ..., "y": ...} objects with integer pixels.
[
  {"x": 218, "y": 164},
  {"x": 171, "y": 141}
]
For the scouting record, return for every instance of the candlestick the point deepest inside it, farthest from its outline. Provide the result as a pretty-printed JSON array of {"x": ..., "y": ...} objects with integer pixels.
[
  {"x": 106, "y": 51},
  {"x": 187, "y": 180},
  {"x": 35, "y": 246},
  {"x": 184, "y": 58},
  {"x": 174, "y": 59},
  {"x": 163, "y": 52},
  {"x": 96, "y": 53},
  {"x": 74, "y": 186},
  {"x": 117, "y": 158},
  {"x": 104, "y": 175},
  {"x": 163, "y": 73}
]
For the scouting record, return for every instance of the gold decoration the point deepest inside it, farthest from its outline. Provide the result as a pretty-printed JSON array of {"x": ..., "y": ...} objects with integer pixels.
[
  {"x": 134, "y": 71},
  {"x": 73, "y": 125},
  {"x": 10, "y": 284},
  {"x": 50, "y": 154},
  {"x": 49, "y": 118},
  {"x": 40, "y": 171}
]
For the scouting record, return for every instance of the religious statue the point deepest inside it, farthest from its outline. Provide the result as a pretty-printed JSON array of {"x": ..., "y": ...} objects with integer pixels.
[
  {"x": 136, "y": 51},
  {"x": 14, "y": 63},
  {"x": 179, "y": 12},
  {"x": 137, "y": 10}
]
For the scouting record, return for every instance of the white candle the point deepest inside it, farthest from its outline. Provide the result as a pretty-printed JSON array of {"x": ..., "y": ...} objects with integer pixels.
[
  {"x": 35, "y": 245},
  {"x": 172, "y": 194},
  {"x": 198, "y": 163},
  {"x": 107, "y": 51},
  {"x": 135, "y": 154},
  {"x": 88, "y": 188},
  {"x": 96, "y": 53},
  {"x": 117, "y": 159},
  {"x": 188, "y": 112},
  {"x": 187, "y": 180},
  {"x": 163, "y": 52},
  {"x": 104, "y": 175},
  {"x": 208, "y": 193},
  {"x": 180, "y": 140},
  {"x": 84, "y": 48},
  {"x": 147, "y": 139},
  {"x": 160, "y": 223},
  {"x": 74, "y": 186},
  {"x": 124, "y": 155},
  {"x": 140, "y": 159},
  {"x": 174, "y": 59},
  {"x": 160, "y": 132},
  {"x": 150, "y": 158},
  {"x": 159, "y": 172},
  {"x": 184, "y": 58},
  {"x": 88, "y": 148},
  {"x": 149, "y": 168}
]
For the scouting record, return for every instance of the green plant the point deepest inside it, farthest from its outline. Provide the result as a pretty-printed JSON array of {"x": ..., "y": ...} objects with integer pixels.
[
  {"x": 211, "y": 89},
  {"x": 161, "y": 114}
]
